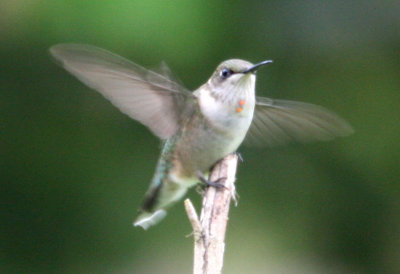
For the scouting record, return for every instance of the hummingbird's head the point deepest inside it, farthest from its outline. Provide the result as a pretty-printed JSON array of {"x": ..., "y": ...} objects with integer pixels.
[{"x": 234, "y": 76}]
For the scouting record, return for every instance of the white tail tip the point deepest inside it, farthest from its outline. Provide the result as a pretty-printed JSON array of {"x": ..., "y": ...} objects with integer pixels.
[{"x": 148, "y": 219}]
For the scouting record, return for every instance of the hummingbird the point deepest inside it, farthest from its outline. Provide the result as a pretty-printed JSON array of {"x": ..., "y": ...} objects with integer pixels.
[{"x": 197, "y": 128}]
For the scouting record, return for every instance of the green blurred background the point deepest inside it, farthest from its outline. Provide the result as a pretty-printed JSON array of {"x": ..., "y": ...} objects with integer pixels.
[{"x": 73, "y": 169}]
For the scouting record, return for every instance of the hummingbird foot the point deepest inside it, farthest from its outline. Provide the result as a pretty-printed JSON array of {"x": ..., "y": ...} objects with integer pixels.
[{"x": 217, "y": 183}]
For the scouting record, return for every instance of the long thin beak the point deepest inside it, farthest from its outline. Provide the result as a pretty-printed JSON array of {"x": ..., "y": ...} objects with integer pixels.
[{"x": 256, "y": 66}]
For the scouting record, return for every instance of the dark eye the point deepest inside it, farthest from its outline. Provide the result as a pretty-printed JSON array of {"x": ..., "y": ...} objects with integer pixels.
[{"x": 225, "y": 73}]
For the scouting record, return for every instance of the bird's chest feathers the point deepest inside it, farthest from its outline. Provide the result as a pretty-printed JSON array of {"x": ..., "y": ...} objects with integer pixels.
[{"x": 232, "y": 114}]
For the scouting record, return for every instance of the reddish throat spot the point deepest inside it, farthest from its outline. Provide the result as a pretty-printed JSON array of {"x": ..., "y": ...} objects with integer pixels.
[{"x": 241, "y": 104}]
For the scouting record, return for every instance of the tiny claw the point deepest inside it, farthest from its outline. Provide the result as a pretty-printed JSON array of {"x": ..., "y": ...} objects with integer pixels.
[
  {"x": 201, "y": 177},
  {"x": 220, "y": 180},
  {"x": 216, "y": 184}
]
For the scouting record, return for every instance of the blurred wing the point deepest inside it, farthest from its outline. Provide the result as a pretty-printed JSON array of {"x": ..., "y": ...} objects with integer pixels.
[
  {"x": 277, "y": 122},
  {"x": 152, "y": 99}
]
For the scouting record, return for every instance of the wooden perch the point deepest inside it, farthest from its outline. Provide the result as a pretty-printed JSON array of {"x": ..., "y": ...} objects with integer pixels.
[{"x": 209, "y": 231}]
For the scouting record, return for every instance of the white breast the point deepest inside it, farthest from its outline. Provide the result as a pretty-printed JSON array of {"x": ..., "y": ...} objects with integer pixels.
[{"x": 223, "y": 115}]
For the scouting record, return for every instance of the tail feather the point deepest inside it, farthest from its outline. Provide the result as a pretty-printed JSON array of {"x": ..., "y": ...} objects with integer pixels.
[
  {"x": 155, "y": 202},
  {"x": 148, "y": 219}
]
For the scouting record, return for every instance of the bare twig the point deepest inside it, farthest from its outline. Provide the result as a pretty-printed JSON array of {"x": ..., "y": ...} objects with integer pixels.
[
  {"x": 193, "y": 218},
  {"x": 209, "y": 232}
]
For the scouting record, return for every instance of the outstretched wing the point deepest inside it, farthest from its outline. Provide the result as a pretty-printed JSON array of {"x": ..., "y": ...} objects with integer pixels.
[
  {"x": 152, "y": 99},
  {"x": 277, "y": 122}
]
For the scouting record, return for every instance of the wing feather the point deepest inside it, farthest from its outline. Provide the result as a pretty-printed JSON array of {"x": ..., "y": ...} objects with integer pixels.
[
  {"x": 277, "y": 122},
  {"x": 150, "y": 98}
]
